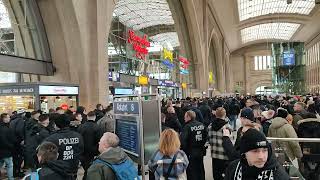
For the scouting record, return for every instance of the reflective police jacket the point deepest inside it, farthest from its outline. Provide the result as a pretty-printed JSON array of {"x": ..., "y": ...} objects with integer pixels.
[
  {"x": 70, "y": 145},
  {"x": 193, "y": 138}
]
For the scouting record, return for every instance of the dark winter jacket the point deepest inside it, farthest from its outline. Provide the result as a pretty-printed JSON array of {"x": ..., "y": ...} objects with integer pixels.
[
  {"x": 180, "y": 114},
  {"x": 232, "y": 151},
  {"x": 193, "y": 138},
  {"x": 91, "y": 136},
  {"x": 7, "y": 140},
  {"x": 101, "y": 171},
  {"x": 70, "y": 146},
  {"x": 17, "y": 125},
  {"x": 310, "y": 128},
  {"x": 99, "y": 114},
  {"x": 206, "y": 113},
  {"x": 173, "y": 122},
  {"x": 234, "y": 109},
  {"x": 54, "y": 170},
  {"x": 252, "y": 173}
]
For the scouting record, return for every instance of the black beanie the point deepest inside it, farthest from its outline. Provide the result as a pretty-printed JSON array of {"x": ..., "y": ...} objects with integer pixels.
[
  {"x": 252, "y": 139},
  {"x": 62, "y": 121},
  {"x": 282, "y": 113}
]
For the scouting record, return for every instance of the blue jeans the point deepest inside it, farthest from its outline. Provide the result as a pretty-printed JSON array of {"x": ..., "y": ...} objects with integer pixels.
[
  {"x": 9, "y": 166},
  {"x": 233, "y": 121}
]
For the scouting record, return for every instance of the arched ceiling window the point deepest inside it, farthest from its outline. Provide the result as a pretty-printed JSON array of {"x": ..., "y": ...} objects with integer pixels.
[
  {"x": 169, "y": 39},
  {"x": 276, "y": 31},
  {"x": 143, "y": 13},
  {"x": 254, "y": 8}
]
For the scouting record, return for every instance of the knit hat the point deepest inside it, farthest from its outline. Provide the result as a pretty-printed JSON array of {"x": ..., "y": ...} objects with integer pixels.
[
  {"x": 268, "y": 114},
  {"x": 248, "y": 114},
  {"x": 62, "y": 121},
  {"x": 252, "y": 139},
  {"x": 282, "y": 113}
]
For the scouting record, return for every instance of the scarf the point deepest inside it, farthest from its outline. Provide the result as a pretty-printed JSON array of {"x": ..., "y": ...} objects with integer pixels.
[{"x": 263, "y": 175}]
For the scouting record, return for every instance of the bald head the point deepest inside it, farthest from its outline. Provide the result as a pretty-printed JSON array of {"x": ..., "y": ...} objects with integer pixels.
[{"x": 108, "y": 140}]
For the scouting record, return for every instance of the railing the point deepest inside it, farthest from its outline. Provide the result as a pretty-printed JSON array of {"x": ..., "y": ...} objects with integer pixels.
[{"x": 302, "y": 168}]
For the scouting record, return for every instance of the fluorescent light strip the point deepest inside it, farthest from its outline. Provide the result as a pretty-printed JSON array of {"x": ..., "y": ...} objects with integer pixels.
[
  {"x": 253, "y": 8},
  {"x": 279, "y": 31}
]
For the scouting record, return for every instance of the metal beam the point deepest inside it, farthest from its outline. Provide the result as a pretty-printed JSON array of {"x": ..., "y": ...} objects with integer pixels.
[{"x": 25, "y": 65}]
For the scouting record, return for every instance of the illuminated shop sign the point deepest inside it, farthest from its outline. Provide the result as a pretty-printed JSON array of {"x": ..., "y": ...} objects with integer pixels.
[
  {"x": 113, "y": 76},
  {"x": 167, "y": 83},
  {"x": 56, "y": 90},
  {"x": 139, "y": 44},
  {"x": 16, "y": 90}
]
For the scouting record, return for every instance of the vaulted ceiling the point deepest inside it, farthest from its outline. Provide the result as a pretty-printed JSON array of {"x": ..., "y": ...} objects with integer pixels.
[{"x": 248, "y": 22}]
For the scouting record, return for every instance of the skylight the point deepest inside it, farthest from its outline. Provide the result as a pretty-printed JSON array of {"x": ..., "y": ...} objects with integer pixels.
[
  {"x": 168, "y": 40},
  {"x": 278, "y": 31},
  {"x": 4, "y": 16},
  {"x": 139, "y": 14},
  {"x": 253, "y": 8}
]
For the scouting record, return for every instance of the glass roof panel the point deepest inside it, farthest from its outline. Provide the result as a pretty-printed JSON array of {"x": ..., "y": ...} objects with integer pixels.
[
  {"x": 139, "y": 14},
  {"x": 253, "y": 8},
  {"x": 278, "y": 31},
  {"x": 168, "y": 40},
  {"x": 4, "y": 16}
]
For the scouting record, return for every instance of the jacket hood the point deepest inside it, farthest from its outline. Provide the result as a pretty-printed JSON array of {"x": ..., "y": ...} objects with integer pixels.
[
  {"x": 218, "y": 124},
  {"x": 278, "y": 122},
  {"x": 308, "y": 120},
  {"x": 60, "y": 167},
  {"x": 113, "y": 155}
]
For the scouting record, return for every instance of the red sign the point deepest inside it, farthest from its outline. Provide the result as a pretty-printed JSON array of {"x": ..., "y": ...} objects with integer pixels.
[
  {"x": 139, "y": 44},
  {"x": 185, "y": 62},
  {"x": 64, "y": 106}
]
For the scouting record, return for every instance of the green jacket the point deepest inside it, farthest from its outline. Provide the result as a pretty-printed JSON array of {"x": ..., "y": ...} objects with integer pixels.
[
  {"x": 282, "y": 129},
  {"x": 100, "y": 171}
]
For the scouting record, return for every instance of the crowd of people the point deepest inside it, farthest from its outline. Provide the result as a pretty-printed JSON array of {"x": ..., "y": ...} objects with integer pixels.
[{"x": 51, "y": 146}]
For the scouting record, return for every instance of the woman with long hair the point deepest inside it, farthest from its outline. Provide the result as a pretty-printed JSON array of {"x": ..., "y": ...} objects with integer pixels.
[{"x": 169, "y": 162}]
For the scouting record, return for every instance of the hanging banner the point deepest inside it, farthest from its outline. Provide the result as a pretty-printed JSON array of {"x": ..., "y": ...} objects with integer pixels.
[
  {"x": 143, "y": 80},
  {"x": 167, "y": 54},
  {"x": 139, "y": 44},
  {"x": 184, "y": 64},
  {"x": 184, "y": 85},
  {"x": 168, "y": 64}
]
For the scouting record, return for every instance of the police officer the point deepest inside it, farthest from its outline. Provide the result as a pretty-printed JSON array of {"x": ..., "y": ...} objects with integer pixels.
[
  {"x": 70, "y": 144},
  {"x": 193, "y": 139}
]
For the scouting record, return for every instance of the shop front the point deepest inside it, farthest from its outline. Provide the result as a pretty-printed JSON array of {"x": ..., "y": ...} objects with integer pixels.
[
  {"x": 169, "y": 89},
  {"x": 35, "y": 96}
]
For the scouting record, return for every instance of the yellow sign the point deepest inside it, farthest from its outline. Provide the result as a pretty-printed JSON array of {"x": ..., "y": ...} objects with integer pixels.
[
  {"x": 211, "y": 77},
  {"x": 184, "y": 85},
  {"x": 167, "y": 54},
  {"x": 143, "y": 80}
]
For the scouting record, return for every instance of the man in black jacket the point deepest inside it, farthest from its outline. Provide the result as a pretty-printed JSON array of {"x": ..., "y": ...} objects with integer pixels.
[
  {"x": 91, "y": 134},
  {"x": 193, "y": 138},
  {"x": 50, "y": 169},
  {"x": 206, "y": 112},
  {"x": 99, "y": 112},
  {"x": 69, "y": 143},
  {"x": 257, "y": 161},
  {"x": 17, "y": 125},
  {"x": 7, "y": 142}
]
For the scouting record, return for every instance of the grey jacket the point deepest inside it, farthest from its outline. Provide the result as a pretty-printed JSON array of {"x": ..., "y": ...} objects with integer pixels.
[
  {"x": 100, "y": 171},
  {"x": 282, "y": 129}
]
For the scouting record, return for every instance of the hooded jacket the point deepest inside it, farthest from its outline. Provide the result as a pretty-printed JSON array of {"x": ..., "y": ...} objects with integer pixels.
[
  {"x": 252, "y": 173},
  {"x": 7, "y": 140},
  {"x": 215, "y": 139},
  {"x": 101, "y": 171},
  {"x": 282, "y": 129},
  {"x": 54, "y": 170},
  {"x": 172, "y": 121},
  {"x": 309, "y": 128}
]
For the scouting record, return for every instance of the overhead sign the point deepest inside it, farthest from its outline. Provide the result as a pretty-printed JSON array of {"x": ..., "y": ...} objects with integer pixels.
[
  {"x": 143, "y": 80},
  {"x": 17, "y": 90},
  {"x": 113, "y": 76},
  {"x": 139, "y": 44},
  {"x": 167, "y": 83},
  {"x": 126, "y": 108},
  {"x": 288, "y": 58},
  {"x": 57, "y": 90}
]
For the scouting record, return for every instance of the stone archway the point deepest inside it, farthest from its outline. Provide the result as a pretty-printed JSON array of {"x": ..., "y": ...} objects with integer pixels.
[{"x": 256, "y": 84}]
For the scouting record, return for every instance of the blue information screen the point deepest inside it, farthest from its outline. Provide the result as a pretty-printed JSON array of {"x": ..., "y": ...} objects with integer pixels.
[
  {"x": 288, "y": 58},
  {"x": 128, "y": 134}
]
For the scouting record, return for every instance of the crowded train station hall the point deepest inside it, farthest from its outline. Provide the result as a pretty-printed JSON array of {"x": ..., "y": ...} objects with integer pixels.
[{"x": 159, "y": 90}]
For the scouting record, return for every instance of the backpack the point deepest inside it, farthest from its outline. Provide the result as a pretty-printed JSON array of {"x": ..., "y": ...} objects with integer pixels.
[
  {"x": 125, "y": 170},
  {"x": 34, "y": 175}
]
